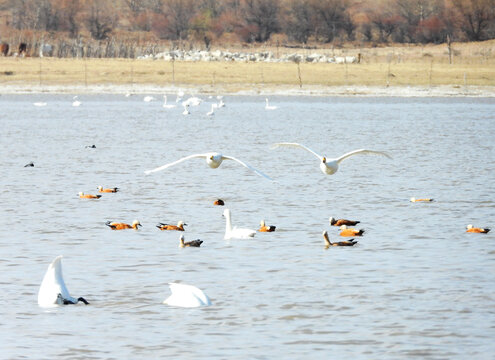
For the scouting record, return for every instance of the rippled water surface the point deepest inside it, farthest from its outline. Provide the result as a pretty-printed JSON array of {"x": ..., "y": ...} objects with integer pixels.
[{"x": 415, "y": 286}]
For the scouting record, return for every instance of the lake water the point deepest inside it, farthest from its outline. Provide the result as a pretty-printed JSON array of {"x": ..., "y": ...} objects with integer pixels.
[{"x": 416, "y": 285}]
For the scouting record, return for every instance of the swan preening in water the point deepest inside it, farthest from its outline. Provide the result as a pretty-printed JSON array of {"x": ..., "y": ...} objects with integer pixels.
[
  {"x": 268, "y": 106},
  {"x": 235, "y": 232},
  {"x": 213, "y": 160},
  {"x": 187, "y": 296},
  {"x": 75, "y": 102},
  {"x": 330, "y": 166},
  {"x": 53, "y": 291}
]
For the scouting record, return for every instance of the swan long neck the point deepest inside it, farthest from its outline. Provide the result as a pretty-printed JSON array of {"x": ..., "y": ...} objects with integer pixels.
[{"x": 228, "y": 222}]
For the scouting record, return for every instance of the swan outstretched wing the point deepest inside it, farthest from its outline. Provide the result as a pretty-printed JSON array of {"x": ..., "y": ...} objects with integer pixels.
[
  {"x": 362, "y": 151},
  {"x": 296, "y": 145},
  {"x": 175, "y": 163},
  {"x": 247, "y": 166}
]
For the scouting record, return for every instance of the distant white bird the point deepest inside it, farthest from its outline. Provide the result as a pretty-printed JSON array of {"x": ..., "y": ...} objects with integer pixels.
[
  {"x": 53, "y": 291},
  {"x": 179, "y": 97},
  {"x": 128, "y": 94},
  {"x": 148, "y": 98},
  {"x": 220, "y": 101},
  {"x": 268, "y": 106},
  {"x": 213, "y": 159},
  {"x": 212, "y": 111},
  {"x": 39, "y": 103},
  {"x": 186, "y": 296},
  {"x": 235, "y": 232},
  {"x": 186, "y": 110},
  {"x": 75, "y": 102},
  {"x": 330, "y": 166},
  {"x": 165, "y": 105},
  {"x": 192, "y": 101}
]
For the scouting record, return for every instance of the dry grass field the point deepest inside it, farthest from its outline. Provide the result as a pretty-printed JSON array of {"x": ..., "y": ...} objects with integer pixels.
[{"x": 472, "y": 64}]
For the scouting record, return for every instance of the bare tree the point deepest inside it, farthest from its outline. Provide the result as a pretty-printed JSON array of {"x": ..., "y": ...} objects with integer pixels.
[
  {"x": 476, "y": 17},
  {"x": 330, "y": 17},
  {"x": 100, "y": 21},
  {"x": 262, "y": 17},
  {"x": 178, "y": 14},
  {"x": 299, "y": 25}
]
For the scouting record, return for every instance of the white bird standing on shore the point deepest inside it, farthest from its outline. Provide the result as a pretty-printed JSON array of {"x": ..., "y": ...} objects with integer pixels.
[
  {"x": 213, "y": 160},
  {"x": 186, "y": 296},
  {"x": 53, "y": 291},
  {"x": 330, "y": 166},
  {"x": 235, "y": 232}
]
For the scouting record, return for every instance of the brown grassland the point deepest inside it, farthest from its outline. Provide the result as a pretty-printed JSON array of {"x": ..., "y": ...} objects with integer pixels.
[{"x": 472, "y": 64}]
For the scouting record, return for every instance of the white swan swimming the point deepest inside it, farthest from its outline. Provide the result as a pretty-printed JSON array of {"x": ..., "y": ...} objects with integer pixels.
[
  {"x": 39, "y": 103},
  {"x": 213, "y": 159},
  {"x": 192, "y": 101},
  {"x": 268, "y": 106},
  {"x": 186, "y": 110},
  {"x": 212, "y": 111},
  {"x": 75, "y": 102},
  {"x": 187, "y": 296},
  {"x": 220, "y": 101},
  {"x": 148, "y": 98},
  {"x": 235, "y": 232},
  {"x": 53, "y": 291},
  {"x": 330, "y": 166},
  {"x": 165, "y": 105}
]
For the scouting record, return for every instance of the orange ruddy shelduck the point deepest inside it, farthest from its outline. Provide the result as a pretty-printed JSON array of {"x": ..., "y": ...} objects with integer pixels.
[
  {"x": 340, "y": 222},
  {"x": 110, "y": 190},
  {"x": 219, "y": 202},
  {"x": 472, "y": 229},
  {"x": 328, "y": 243},
  {"x": 122, "y": 226},
  {"x": 345, "y": 231},
  {"x": 88, "y": 196},
  {"x": 179, "y": 227},
  {"x": 266, "y": 228},
  {"x": 421, "y": 200}
]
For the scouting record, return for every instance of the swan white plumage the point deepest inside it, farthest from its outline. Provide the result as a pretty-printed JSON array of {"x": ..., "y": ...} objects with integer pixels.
[
  {"x": 179, "y": 97},
  {"x": 75, "y": 102},
  {"x": 187, "y": 296},
  {"x": 235, "y": 232},
  {"x": 39, "y": 103},
  {"x": 186, "y": 110},
  {"x": 52, "y": 290},
  {"x": 268, "y": 106},
  {"x": 148, "y": 98},
  {"x": 213, "y": 159},
  {"x": 212, "y": 111},
  {"x": 165, "y": 105},
  {"x": 192, "y": 101},
  {"x": 220, "y": 101},
  {"x": 330, "y": 166}
]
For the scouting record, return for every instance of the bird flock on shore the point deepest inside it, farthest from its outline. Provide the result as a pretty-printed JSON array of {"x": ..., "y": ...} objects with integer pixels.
[{"x": 53, "y": 291}]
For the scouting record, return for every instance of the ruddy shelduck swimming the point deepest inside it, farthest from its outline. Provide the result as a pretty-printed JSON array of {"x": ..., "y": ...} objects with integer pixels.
[
  {"x": 109, "y": 190},
  {"x": 193, "y": 243},
  {"x": 330, "y": 166},
  {"x": 328, "y": 243},
  {"x": 88, "y": 196},
  {"x": 472, "y": 229},
  {"x": 219, "y": 202},
  {"x": 266, "y": 228},
  {"x": 122, "y": 226},
  {"x": 421, "y": 200},
  {"x": 345, "y": 231},
  {"x": 179, "y": 227},
  {"x": 340, "y": 222},
  {"x": 213, "y": 160}
]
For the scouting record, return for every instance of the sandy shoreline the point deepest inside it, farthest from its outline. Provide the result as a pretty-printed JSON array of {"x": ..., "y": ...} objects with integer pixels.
[{"x": 364, "y": 91}]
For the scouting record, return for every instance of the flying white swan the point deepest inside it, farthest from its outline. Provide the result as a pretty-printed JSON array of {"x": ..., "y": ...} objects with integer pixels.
[
  {"x": 330, "y": 166},
  {"x": 187, "y": 296},
  {"x": 75, "y": 102},
  {"x": 213, "y": 159},
  {"x": 235, "y": 232},
  {"x": 165, "y": 105},
  {"x": 268, "y": 106},
  {"x": 53, "y": 291}
]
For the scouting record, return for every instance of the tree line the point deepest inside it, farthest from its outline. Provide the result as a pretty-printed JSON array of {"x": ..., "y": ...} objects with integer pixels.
[{"x": 296, "y": 22}]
